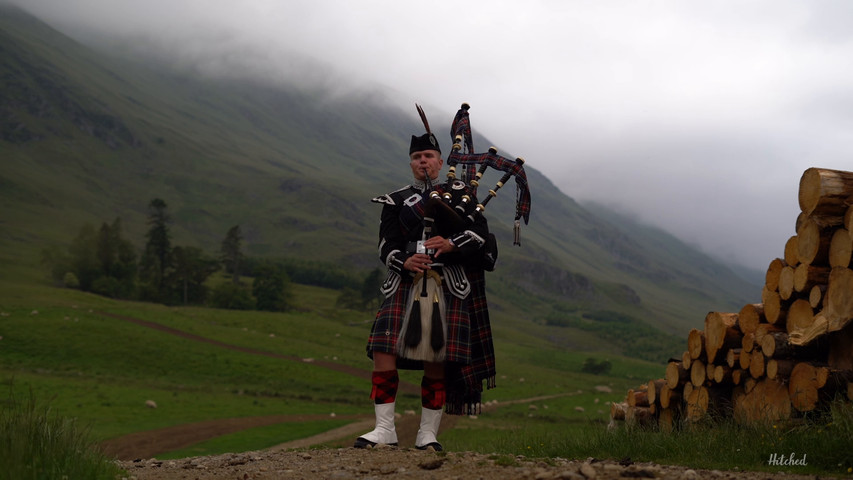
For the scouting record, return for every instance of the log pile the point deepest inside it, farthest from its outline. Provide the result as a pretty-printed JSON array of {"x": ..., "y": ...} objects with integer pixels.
[{"x": 783, "y": 357}]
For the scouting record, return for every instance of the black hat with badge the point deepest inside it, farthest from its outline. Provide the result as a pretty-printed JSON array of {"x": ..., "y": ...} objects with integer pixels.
[{"x": 426, "y": 141}]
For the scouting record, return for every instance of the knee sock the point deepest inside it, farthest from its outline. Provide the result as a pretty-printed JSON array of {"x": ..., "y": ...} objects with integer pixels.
[
  {"x": 432, "y": 393},
  {"x": 384, "y": 386}
]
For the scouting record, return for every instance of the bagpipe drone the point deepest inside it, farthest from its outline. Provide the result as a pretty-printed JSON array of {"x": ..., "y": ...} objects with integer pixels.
[{"x": 462, "y": 153}]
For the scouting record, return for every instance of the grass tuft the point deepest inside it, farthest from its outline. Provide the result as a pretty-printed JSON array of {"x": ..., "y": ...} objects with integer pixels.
[{"x": 36, "y": 443}]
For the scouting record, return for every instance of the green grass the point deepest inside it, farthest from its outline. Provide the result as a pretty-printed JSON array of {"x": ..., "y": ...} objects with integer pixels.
[
  {"x": 825, "y": 441},
  {"x": 37, "y": 443},
  {"x": 100, "y": 370}
]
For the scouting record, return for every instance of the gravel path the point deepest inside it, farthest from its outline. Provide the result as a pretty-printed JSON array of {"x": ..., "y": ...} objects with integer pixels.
[{"x": 408, "y": 463}]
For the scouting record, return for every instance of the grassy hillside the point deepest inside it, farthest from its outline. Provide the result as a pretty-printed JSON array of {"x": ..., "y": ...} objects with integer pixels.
[
  {"x": 81, "y": 353},
  {"x": 89, "y": 137}
]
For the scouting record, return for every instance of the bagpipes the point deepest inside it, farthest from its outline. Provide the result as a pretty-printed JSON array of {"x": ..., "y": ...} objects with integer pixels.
[
  {"x": 462, "y": 153},
  {"x": 424, "y": 328}
]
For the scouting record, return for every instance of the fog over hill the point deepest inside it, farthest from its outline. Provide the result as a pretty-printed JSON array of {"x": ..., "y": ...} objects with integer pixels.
[
  {"x": 295, "y": 166},
  {"x": 696, "y": 117}
]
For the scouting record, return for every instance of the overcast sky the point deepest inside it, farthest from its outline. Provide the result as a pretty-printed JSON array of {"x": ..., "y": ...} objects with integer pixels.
[{"x": 696, "y": 116}]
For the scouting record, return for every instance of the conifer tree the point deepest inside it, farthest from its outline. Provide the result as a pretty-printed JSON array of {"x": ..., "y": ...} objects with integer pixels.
[
  {"x": 231, "y": 254},
  {"x": 271, "y": 288},
  {"x": 156, "y": 259}
]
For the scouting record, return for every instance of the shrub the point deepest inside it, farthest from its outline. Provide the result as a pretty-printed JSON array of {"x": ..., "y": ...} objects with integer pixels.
[
  {"x": 70, "y": 280},
  {"x": 37, "y": 443},
  {"x": 590, "y": 365},
  {"x": 232, "y": 296}
]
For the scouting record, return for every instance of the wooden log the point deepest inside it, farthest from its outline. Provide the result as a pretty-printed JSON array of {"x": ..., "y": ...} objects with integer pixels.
[
  {"x": 721, "y": 333},
  {"x": 775, "y": 310},
  {"x": 744, "y": 359},
  {"x": 686, "y": 360},
  {"x": 737, "y": 375},
  {"x": 786, "y": 283},
  {"x": 774, "y": 269},
  {"x": 824, "y": 192},
  {"x": 617, "y": 411},
  {"x": 779, "y": 368},
  {"x": 676, "y": 375},
  {"x": 804, "y": 383},
  {"x": 733, "y": 357},
  {"x": 812, "y": 244},
  {"x": 791, "y": 252},
  {"x": 764, "y": 329},
  {"x": 808, "y": 276},
  {"x": 800, "y": 317},
  {"x": 685, "y": 392},
  {"x": 696, "y": 343},
  {"x": 669, "y": 398},
  {"x": 774, "y": 400},
  {"x": 776, "y": 344},
  {"x": 801, "y": 218},
  {"x": 809, "y": 334},
  {"x": 840, "y": 249},
  {"x": 697, "y": 404},
  {"x": 639, "y": 416},
  {"x": 750, "y": 316},
  {"x": 722, "y": 374},
  {"x": 709, "y": 372},
  {"x": 747, "y": 343},
  {"x": 767, "y": 402},
  {"x": 638, "y": 397},
  {"x": 816, "y": 295},
  {"x": 838, "y": 302},
  {"x": 749, "y": 383},
  {"x": 697, "y": 373},
  {"x": 653, "y": 390},
  {"x": 667, "y": 420},
  {"x": 756, "y": 365}
]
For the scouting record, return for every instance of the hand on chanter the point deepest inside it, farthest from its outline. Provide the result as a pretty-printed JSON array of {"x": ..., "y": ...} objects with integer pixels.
[
  {"x": 418, "y": 262},
  {"x": 439, "y": 244}
]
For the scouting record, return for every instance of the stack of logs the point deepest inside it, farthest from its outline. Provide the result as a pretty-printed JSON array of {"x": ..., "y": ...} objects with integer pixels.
[{"x": 775, "y": 360}]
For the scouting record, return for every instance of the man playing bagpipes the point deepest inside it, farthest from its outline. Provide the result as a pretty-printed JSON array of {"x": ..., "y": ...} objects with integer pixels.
[{"x": 435, "y": 242}]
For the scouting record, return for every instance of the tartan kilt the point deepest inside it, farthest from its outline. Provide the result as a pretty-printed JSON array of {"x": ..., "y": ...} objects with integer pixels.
[
  {"x": 389, "y": 320},
  {"x": 470, "y": 352}
]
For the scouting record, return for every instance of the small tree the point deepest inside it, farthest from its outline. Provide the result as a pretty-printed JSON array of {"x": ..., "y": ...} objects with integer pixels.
[
  {"x": 117, "y": 258},
  {"x": 191, "y": 269},
  {"x": 156, "y": 259},
  {"x": 231, "y": 254},
  {"x": 271, "y": 288},
  {"x": 84, "y": 259}
]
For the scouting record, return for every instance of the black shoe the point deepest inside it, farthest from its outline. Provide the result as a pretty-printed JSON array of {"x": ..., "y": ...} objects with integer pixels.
[
  {"x": 435, "y": 446},
  {"x": 362, "y": 442}
]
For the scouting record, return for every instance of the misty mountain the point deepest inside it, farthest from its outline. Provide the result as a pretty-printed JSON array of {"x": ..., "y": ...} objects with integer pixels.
[{"x": 88, "y": 136}]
